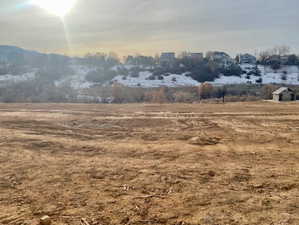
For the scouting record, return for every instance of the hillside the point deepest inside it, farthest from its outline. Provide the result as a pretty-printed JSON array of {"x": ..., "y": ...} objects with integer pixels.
[
  {"x": 19, "y": 65},
  {"x": 78, "y": 79}
]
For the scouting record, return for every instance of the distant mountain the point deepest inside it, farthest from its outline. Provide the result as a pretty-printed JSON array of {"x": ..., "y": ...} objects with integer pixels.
[
  {"x": 16, "y": 55},
  {"x": 7, "y": 51}
]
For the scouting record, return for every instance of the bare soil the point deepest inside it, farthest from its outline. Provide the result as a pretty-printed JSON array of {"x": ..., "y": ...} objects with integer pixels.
[{"x": 199, "y": 164}]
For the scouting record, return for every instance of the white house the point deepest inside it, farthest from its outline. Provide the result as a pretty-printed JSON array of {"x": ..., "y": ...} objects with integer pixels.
[{"x": 284, "y": 94}]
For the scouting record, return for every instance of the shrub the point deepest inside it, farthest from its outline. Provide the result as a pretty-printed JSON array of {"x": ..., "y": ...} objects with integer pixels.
[
  {"x": 259, "y": 81},
  {"x": 205, "y": 90},
  {"x": 275, "y": 65},
  {"x": 151, "y": 77},
  {"x": 134, "y": 72},
  {"x": 100, "y": 75},
  {"x": 122, "y": 71},
  {"x": 123, "y": 94},
  {"x": 203, "y": 74},
  {"x": 267, "y": 90},
  {"x": 36, "y": 91},
  {"x": 158, "y": 71},
  {"x": 232, "y": 70},
  {"x": 4, "y": 70},
  {"x": 283, "y": 77},
  {"x": 293, "y": 60},
  {"x": 160, "y": 77},
  {"x": 156, "y": 96},
  {"x": 183, "y": 96},
  {"x": 241, "y": 98}
]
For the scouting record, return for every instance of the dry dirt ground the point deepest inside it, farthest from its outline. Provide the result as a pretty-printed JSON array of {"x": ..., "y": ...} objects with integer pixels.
[{"x": 200, "y": 164}]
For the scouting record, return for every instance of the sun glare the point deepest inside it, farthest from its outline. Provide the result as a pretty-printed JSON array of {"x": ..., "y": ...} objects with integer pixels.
[{"x": 57, "y": 7}]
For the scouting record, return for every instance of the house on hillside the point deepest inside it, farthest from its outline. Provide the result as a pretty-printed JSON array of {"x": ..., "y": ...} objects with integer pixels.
[
  {"x": 196, "y": 56},
  {"x": 284, "y": 94},
  {"x": 167, "y": 58},
  {"x": 221, "y": 58},
  {"x": 284, "y": 59},
  {"x": 246, "y": 59}
]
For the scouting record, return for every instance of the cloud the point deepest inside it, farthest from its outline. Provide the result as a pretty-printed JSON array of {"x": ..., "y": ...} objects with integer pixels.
[{"x": 150, "y": 26}]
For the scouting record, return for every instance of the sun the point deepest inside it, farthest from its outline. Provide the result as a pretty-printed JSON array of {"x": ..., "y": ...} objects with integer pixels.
[{"x": 57, "y": 7}]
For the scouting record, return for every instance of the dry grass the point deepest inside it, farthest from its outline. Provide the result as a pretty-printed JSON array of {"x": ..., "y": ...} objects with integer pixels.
[{"x": 204, "y": 164}]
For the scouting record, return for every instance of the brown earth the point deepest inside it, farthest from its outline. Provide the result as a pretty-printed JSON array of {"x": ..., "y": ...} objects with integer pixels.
[{"x": 200, "y": 164}]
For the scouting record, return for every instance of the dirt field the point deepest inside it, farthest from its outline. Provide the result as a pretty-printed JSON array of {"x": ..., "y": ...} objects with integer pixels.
[{"x": 204, "y": 164}]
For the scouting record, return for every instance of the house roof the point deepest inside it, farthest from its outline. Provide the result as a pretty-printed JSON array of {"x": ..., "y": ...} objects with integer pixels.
[{"x": 281, "y": 90}]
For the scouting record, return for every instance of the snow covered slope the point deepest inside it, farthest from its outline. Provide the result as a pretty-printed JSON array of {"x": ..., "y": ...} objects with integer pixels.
[
  {"x": 144, "y": 80},
  {"x": 8, "y": 78},
  {"x": 285, "y": 75},
  {"x": 78, "y": 79}
]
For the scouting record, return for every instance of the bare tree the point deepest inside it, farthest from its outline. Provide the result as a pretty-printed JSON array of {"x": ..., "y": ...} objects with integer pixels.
[
  {"x": 278, "y": 50},
  {"x": 282, "y": 50},
  {"x": 205, "y": 90},
  {"x": 264, "y": 54},
  {"x": 183, "y": 54}
]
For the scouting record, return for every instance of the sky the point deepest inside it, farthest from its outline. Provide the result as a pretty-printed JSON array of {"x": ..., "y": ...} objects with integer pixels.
[{"x": 152, "y": 26}]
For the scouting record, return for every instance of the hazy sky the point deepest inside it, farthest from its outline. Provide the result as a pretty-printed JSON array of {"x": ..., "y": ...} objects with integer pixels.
[{"x": 150, "y": 26}]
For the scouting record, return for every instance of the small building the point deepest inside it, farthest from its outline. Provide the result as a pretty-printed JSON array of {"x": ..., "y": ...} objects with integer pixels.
[
  {"x": 196, "y": 56},
  {"x": 130, "y": 59},
  {"x": 246, "y": 59},
  {"x": 221, "y": 58},
  {"x": 284, "y": 59},
  {"x": 167, "y": 57},
  {"x": 284, "y": 94}
]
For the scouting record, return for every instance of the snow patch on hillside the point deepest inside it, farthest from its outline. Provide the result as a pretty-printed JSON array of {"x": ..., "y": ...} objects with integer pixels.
[
  {"x": 285, "y": 75},
  {"x": 78, "y": 79},
  {"x": 144, "y": 80},
  {"x": 17, "y": 78}
]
